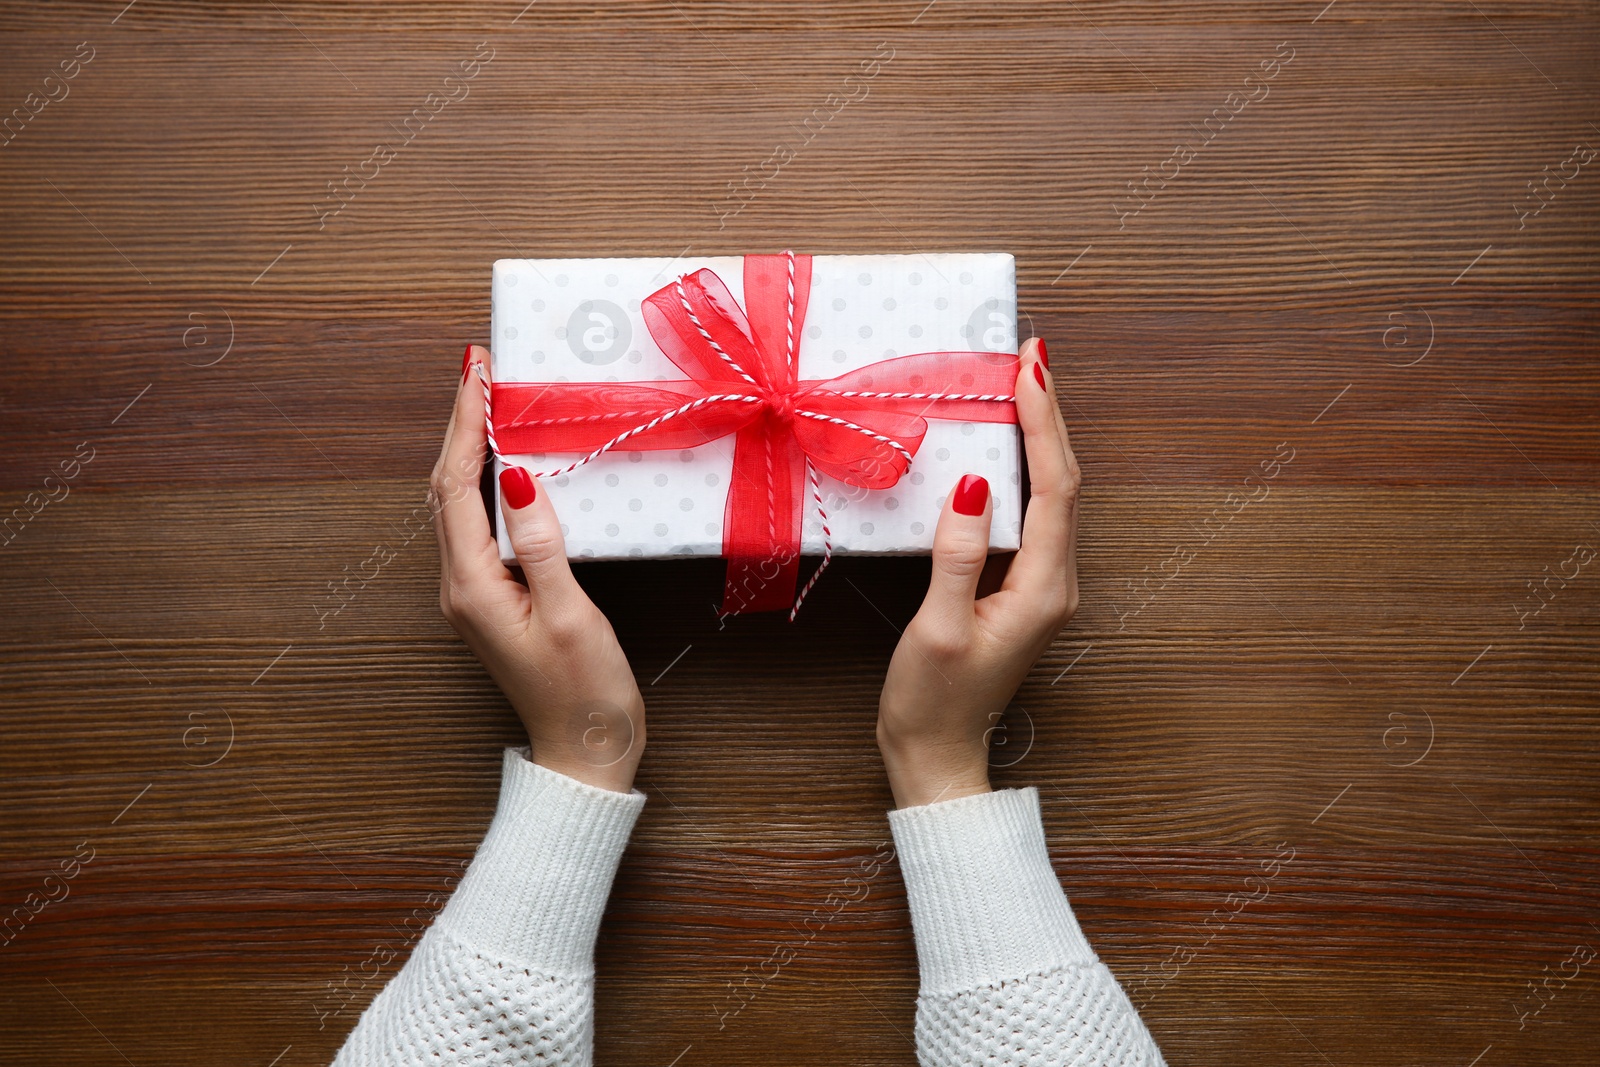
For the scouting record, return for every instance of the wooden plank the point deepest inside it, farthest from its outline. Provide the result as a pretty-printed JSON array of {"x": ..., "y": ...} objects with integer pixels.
[{"x": 1368, "y": 665}]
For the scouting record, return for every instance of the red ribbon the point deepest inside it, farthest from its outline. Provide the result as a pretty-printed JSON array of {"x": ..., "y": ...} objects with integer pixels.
[{"x": 862, "y": 427}]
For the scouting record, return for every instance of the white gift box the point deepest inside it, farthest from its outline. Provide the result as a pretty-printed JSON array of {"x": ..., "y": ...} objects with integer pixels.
[{"x": 576, "y": 320}]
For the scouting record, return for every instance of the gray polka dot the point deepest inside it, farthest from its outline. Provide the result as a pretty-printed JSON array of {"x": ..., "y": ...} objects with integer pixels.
[
  {"x": 636, "y": 553},
  {"x": 537, "y": 305},
  {"x": 864, "y": 278},
  {"x": 586, "y": 504},
  {"x": 966, "y": 277},
  {"x": 686, "y": 456},
  {"x": 612, "y": 480},
  {"x": 917, "y": 528},
  {"x": 889, "y": 353},
  {"x": 562, "y": 279},
  {"x": 813, "y": 331},
  {"x": 865, "y": 331},
  {"x": 510, "y": 333},
  {"x": 839, "y": 355},
  {"x": 891, "y": 503},
  {"x": 686, "y": 504},
  {"x": 635, "y": 457},
  {"x": 943, "y": 453},
  {"x": 612, "y": 529},
  {"x": 1014, "y": 478},
  {"x": 967, "y": 429},
  {"x": 941, "y": 303},
  {"x": 867, "y": 528},
  {"x": 587, "y": 553},
  {"x": 538, "y": 357},
  {"x": 562, "y": 378},
  {"x": 561, "y": 333},
  {"x": 611, "y": 279},
  {"x": 561, "y": 480},
  {"x": 838, "y": 303},
  {"x": 1016, "y": 527},
  {"x": 889, "y": 305},
  {"x": 916, "y": 278},
  {"x": 661, "y": 529},
  {"x": 713, "y": 530},
  {"x": 917, "y": 478},
  {"x": 915, "y": 331},
  {"x": 993, "y": 453},
  {"x": 636, "y": 356},
  {"x": 563, "y": 529},
  {"x": 661, "y": 479},
  {"x": 712, "y": 478},
  {"x": 510, "y": 279},
  {"x": 636, "y": 504}
]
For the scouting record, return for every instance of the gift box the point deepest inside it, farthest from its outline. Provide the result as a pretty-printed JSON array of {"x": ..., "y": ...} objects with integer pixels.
[{"x": 757, "y": 407}]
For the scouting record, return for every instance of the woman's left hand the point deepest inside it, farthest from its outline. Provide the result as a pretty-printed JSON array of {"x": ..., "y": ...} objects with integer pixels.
[{"x": 962, "y": 656}]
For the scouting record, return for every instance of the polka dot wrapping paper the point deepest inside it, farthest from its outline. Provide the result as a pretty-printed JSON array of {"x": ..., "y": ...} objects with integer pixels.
[{"x": 581, "y": 320}]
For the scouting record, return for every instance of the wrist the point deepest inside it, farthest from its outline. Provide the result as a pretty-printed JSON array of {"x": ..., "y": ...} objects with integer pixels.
[
  {"x": 606, "y": 765},
  {"x": 599, "y": 745},
  {"x": 922, "y": 774},
  {"x": 617, "y": 779}
]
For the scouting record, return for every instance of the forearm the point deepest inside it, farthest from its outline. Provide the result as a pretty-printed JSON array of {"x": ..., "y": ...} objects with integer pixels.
[
  {"x": 1006, "y": 974},
  {"x": 506, "y": 972}
]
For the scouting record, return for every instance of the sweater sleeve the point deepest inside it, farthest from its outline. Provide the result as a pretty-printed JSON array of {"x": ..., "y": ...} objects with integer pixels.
[
  {"x": 505, "y": 975},
  {"x": 1006, "y": 975}
]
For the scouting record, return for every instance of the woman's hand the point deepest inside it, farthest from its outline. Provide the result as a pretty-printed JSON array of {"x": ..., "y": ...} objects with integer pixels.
[
  {"x": 546, "y": 645},
  {"x": 961, "y": 659}
]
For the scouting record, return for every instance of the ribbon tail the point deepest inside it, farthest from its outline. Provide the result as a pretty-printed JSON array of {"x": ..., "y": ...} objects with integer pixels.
[{"x": 761, "y": 525}]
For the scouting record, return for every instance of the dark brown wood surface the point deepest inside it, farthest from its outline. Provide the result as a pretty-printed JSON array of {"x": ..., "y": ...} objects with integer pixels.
[{"x": 1349, "y": 671}]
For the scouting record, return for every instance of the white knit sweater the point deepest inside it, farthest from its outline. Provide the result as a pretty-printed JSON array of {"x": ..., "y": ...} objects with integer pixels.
[{"x": 505, "y": 975}]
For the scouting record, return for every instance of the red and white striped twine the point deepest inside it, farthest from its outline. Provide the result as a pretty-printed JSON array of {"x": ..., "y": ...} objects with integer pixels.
[{"x": 712, "y": 341}]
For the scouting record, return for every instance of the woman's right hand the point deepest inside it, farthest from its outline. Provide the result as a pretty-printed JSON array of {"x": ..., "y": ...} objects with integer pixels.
[{"x": 551, "y": 651}]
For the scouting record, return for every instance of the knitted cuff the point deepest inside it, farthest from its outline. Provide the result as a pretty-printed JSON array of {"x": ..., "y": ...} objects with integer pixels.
[
  {"x": 536, "y": 890},
  {"x": 985, "y": 903}
]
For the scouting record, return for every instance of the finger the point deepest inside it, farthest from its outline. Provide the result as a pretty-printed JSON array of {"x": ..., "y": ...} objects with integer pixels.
[
  {"x": 960, "y": 548},
  {"x": 535, "y": 534},
  {"x": 459, "y": 518},
  {"x": 1045, "y": 560}
]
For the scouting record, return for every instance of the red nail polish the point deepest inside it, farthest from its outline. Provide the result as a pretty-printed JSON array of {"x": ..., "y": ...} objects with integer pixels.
[
  {"x": 1038, "y": 375},
  {"x": 972, "y": 493},
  {"x": 516, "y": 485},
  {"x": 1044, "y": 354},
  {"x": 466, "y": 363}
]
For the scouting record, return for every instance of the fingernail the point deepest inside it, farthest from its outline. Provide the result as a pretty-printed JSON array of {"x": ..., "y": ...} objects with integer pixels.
[
  {"x": 516, "y": 485},
  {"x": 1038, "y": 375},
  {"x": 972, "y": 493},
  {"x": 466, "y": 363},
  {"x": 1044, "y": 354}
]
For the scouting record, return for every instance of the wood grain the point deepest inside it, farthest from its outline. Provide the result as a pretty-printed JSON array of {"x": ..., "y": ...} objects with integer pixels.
[{"x": 1351, "y": 667}]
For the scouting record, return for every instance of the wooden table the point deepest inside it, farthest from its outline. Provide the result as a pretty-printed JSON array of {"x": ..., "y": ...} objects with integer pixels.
[{"x": 1381, "y": 673}]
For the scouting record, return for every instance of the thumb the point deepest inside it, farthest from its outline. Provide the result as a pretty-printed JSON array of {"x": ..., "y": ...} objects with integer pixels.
[
  {"x": 960, "y": 549},
  {"x": 535, "y": 535}
]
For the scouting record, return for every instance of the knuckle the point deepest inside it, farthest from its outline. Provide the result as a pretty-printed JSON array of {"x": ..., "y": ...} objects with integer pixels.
[
  {"x": 438, "y": 483},
  {"x": 961, "y": 555},
  {"x": 1057, "y": 605},
  {"x": 1073, "y": 479},
  {"x": 449, "y": 602},
  {"x": 537, "y": 544},
  {"x": 936, "y": 641},
  {"x": 565, "y": 628}
]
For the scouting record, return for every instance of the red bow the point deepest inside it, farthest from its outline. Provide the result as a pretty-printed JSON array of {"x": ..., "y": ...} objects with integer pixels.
[{"x": 862, "y": 427}]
